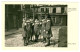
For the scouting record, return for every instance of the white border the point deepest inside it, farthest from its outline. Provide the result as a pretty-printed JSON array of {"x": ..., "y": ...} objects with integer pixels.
[{"x": 32, "y": 50}]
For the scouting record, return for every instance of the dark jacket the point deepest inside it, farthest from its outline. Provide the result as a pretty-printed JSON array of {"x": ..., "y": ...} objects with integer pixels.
[
  {"x": 46, "y": 29},
  {"x": 36, "y": 28},
  {"x": 28, "y": 29}
]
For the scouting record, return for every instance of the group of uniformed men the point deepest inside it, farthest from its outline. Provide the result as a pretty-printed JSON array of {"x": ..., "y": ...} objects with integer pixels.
[{"x": 36, "y": 27}]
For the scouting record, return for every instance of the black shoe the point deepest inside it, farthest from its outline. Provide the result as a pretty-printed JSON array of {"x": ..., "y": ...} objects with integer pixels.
[
  {"x": 36, "y": 41},
  {"x": 25, "y": 44},
  {"x": 47, "y": 45}
]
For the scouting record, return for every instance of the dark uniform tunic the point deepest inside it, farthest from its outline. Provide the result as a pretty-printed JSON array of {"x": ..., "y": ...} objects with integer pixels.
[
  {"x": 36, "y": 27},
  {"x": 28, "y": 29},
  {"x": 46, "y": 28}
]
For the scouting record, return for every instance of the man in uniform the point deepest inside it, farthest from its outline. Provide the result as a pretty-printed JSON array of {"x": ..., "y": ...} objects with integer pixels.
[
  {"x": 32, "y": 28},
  {"x": 24, "y": 31},
  {"x": 43, "y": 30},
  {"x": 48, "y": 29},
  {"x": 36, "y": 29},
  {"x": 28, "y": 31}
]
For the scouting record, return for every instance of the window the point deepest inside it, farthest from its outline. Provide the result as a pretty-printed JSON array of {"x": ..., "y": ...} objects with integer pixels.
[
  {"x": 36, "y": 10},
  {"x": 47, "y": 10},
  {"x": 58, "y": 9},
  {"x": 42, "y": 9},
  {"x": 62, "y": 10},
  {"x": 54, "y": 10}
]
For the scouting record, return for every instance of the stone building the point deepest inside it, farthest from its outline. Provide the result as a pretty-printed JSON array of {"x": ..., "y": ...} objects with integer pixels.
[
  {"x": 58, "y": 13},
  {"x": 14, "y": 13}
]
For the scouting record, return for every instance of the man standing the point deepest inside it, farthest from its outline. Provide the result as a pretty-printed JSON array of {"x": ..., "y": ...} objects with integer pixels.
[
  {"x": 24, "y": 31},
  {"x": 43, "y": 30},
  {"x": 48, "y": 30},
  {"x": 28, "y": 31},
  {"x": 36, "y": 29},
  {"x": 32, "y": 28}
]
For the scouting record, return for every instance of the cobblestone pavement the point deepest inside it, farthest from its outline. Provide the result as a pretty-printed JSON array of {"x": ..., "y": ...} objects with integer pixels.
[{"x": 16, "y": 40}]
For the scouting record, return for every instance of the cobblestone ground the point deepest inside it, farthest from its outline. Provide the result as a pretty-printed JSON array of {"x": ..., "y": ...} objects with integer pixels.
[{"x": 16, "y": 40}]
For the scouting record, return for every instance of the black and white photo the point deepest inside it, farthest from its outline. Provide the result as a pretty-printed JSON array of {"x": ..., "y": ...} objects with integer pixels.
[{"x": 36, "y": 25}]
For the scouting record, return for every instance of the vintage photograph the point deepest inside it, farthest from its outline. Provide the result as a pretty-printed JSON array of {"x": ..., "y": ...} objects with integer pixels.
[{"x": 36, "y": 25}]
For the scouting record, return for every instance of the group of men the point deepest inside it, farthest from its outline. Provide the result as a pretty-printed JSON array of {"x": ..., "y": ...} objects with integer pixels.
[{"x": 37, "y": 27}]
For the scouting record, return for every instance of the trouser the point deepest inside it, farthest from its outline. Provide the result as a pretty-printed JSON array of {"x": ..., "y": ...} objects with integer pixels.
[
  {"x": 31, "y": 35},
  {"x": 46, "y": 40},
  {"x": 36, "y": 37},
  {"x": 24, "y": 38}
]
